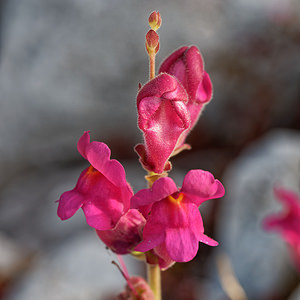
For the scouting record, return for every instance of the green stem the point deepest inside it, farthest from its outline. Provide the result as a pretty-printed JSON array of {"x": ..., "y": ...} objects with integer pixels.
[{"x": 154, "y": 281}]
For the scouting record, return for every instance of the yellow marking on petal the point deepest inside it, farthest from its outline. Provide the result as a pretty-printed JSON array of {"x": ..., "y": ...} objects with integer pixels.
[
  {"x": 90, "y": 170},
  {"x": 176, "y": 200}
]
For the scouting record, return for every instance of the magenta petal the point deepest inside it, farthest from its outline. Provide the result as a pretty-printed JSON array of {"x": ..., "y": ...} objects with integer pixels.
[
  {"x": 201, "y": 185},
  {"x": 288, "y": 198},
  {"x": 83, "y": 143},
  {"x": 97, "y": 217},
  {"x": 153, "y": 235},
  {"x": 287, "y": 223},
  {"x": 163, "y": 118},
  {"x": 204, "y": 91},
  {"x": 194, "y": 71},
  {"x": 208, "y": 241},
  {"x": 164, "y": 259},
  {"x": 98, "y": 154},
  {"x": 186, "y": 64},
  {"x": 181, "y": 244},
  {"x": 169, "y": 64},
  {"x": 126, "y": 234},
  {"x": 161, "y": 188},
  {"x": 69, "y": 203}
]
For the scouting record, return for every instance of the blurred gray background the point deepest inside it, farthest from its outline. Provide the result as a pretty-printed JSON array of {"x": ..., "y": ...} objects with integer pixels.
[{"x": 67, "y": 66}]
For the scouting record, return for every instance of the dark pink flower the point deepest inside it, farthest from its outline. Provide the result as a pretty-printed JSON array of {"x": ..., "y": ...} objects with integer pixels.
[
  {"x": 126, "y": 234},
  {"x": 287, "y": 223},
  {"x": 163, "y": 117},
  {"x": 174, "y": 224},
  {"x": 186, "y": 64},
  {"x": 101, "y": 191}
]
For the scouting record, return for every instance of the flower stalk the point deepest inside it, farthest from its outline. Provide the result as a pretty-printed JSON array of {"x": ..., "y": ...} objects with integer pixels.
[{"x": 154, "y": 280}]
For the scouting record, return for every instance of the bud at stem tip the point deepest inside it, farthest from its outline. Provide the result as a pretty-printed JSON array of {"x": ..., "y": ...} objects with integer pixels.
[{"x": 155, "y": 20}]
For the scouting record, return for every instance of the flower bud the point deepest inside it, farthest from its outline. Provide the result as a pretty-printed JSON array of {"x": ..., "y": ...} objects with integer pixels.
[
  {"x": 163, "y": 117},
  {"x": 152, "y": 41},
  {"x": 155, "y": 20},
  {"x": 137, "y": 288},
  {"x": 186, "y": 64}
]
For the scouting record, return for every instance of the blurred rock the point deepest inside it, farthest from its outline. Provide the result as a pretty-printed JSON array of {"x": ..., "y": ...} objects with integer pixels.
[
  {"x": 260, "y": 259},
  {"x": 296, "y": 294},
  {"x": 14, "y": 259},
  {"x": 70, "y": 261},
  {"x": 79, "y": 269}
]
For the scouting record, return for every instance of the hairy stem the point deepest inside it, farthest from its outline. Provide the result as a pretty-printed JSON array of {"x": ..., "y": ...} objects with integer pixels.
[{"x": 151, "y": 65}]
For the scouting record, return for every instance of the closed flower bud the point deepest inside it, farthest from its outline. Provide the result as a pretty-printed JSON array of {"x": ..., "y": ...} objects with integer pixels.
[
  {"x": 152, "y": 41},
  {"x": 155, "y": 20}
]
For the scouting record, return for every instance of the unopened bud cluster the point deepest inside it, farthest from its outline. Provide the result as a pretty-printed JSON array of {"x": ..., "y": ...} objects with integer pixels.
[{"x": 152, "y": 38}]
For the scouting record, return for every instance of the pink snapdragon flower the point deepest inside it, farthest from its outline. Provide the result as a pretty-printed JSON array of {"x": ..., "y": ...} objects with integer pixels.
[
  {"x": 287, "y": 223},
  {"x": 186, "y": 64},
  {"x": 163, "y": 117},
  {"x": 174, "y": 224},
  {"x": 101, "y": 191},
  {"x": 104, "y": 196}
]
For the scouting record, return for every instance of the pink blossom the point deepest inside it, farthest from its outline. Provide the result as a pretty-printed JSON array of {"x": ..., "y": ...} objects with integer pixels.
[
  {"x": 186, "y": 64},
  {"x": 163, "y": 117},
  {"x": 101, "y": 191},
  {"x": 287, "y": 223},
  {"x": 174, "y": 224},
  {"x": 126, "y": 234}
]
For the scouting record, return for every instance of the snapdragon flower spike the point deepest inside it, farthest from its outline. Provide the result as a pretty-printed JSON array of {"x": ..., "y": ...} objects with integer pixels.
[
  {"x": 163, "y": 117},
  {"x": 186, "y": 64},
  {"x": 287, "y": 223},
  {"x": 174, "y": 224},
  {"x": 101, "y": 191}
]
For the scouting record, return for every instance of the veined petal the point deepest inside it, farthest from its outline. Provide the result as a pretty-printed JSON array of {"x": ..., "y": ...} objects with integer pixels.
[{"x": 181, "y": 244}]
